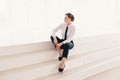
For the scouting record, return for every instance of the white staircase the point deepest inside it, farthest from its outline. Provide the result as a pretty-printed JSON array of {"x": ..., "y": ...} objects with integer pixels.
[{"x": 38, "y": 61}]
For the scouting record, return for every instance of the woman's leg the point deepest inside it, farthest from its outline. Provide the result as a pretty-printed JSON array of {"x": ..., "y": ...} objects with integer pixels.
[
  {"x": 66, "y": 47},
  {"x": 64, "y": 58},
  {"x": 55, "y": 41}
]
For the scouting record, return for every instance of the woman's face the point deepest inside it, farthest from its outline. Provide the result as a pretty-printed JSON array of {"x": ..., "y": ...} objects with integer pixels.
[{"x": 67, "y": 19}]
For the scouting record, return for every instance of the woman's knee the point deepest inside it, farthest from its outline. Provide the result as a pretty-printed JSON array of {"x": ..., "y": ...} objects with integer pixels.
[{"x": 70, "y": 45}]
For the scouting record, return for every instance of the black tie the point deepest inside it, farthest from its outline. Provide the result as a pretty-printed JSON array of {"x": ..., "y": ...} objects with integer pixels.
[{"x": 66, "y": 33}]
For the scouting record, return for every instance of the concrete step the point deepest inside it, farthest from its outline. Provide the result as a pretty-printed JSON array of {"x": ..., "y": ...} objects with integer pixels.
[
  {"x": 24, "y": 48},
  {"x": 78, "y": 72},
  {"x": 34, "y": 57},
  {"x": 90, "y": 56},
  {"x": 29, "y": 58},
  {"x": 50, "y": 67},
  {"x": 112, "y": 74},
  {"x": 90, "y": 70}
]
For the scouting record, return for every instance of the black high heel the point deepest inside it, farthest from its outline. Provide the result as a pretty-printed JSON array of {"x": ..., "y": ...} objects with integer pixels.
[
  {"x": 59, "y": 58},
  {"x": 61, "y": 69}
]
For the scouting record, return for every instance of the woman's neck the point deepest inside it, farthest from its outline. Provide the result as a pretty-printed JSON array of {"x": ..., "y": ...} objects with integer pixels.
[{"x": 68, "y": 23}]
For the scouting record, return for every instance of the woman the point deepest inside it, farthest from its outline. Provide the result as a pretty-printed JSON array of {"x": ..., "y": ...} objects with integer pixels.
[{"x": 64, "y": 44}]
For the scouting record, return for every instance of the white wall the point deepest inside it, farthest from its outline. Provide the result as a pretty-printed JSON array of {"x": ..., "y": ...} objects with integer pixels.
[{"x": 28, "y": 21}]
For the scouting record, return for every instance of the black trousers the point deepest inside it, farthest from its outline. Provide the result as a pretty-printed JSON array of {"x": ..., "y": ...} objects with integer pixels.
[{"x": 66, "y": 47}]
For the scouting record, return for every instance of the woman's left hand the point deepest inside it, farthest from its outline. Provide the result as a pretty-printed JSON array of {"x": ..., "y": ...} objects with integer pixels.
[{"x": 59, "y": 45}]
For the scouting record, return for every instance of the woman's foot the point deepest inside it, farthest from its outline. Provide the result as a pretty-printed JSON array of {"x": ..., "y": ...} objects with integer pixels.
[
  {"x": 61, "y": 69},
  {"x": 62, "y": 65}
]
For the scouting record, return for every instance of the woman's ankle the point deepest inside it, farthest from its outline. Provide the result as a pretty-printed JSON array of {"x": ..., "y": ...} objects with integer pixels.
[
  {"x": 62, "y": 62},
  {"x": 59, "y": 51}
]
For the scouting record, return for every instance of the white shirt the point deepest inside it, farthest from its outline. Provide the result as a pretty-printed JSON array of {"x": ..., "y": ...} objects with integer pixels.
[{"x": 70, "y": 32}]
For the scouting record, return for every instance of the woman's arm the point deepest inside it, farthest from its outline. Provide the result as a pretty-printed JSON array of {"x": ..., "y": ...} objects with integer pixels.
[
  {"x": 54, "y": 34},
  {"x": 56, "y": 29}
]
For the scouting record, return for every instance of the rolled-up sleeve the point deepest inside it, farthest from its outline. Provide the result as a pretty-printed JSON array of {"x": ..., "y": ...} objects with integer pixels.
[{"x": 56, "y": 29}]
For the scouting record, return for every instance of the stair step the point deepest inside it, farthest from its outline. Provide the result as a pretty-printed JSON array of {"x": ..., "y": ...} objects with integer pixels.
[
  {"x": 38, "y": 61},
  {"x": 111, "y": 74},
  {"x": 50, "y": 67},
  {"x": 24, "y": 48},
  {"x": 90, "y": 39},
  {"x": 15, "y": 61},
  {"x": 91, "y": 70},
  {"x": 24, "y": 59}
]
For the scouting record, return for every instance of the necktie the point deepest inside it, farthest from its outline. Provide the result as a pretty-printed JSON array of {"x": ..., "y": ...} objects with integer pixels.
[{"x": 66, "y": 33}]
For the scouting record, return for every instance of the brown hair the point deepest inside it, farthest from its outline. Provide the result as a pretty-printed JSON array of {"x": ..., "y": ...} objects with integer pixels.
[{"x": 71, "y": 16}]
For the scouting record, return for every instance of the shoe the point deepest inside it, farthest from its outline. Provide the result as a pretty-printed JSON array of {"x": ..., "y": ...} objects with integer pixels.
[
  {"x": 59, "y": 58},
  {"x": 61, "y": 69}
]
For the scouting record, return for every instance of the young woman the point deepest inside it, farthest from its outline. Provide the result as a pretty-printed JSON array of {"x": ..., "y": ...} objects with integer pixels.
[{"x": 64, "y": 44}]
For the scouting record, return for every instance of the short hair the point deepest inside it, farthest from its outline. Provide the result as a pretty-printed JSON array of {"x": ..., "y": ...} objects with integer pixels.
[{"x": 71, "y": 16}]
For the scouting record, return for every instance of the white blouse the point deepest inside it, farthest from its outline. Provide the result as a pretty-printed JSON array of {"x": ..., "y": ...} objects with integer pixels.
[{"x": 70, "y": 32}]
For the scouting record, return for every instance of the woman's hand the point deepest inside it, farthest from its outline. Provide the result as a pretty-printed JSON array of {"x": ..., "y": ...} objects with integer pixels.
[{"x": 59, "y": 45}]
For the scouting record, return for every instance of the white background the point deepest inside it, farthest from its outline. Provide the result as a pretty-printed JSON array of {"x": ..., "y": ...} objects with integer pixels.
[{"x": 29, "y": 21}]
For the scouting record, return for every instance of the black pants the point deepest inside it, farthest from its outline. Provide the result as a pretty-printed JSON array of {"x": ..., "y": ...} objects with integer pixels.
[{"x": 66, "y": 47}]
